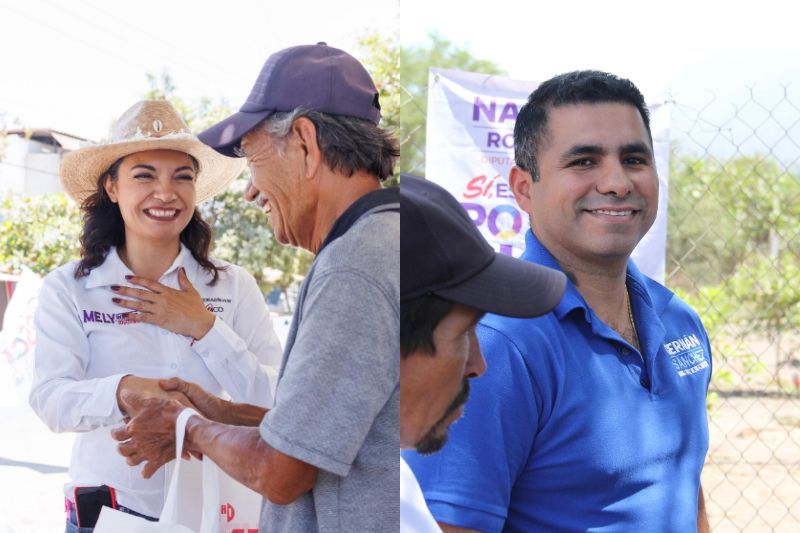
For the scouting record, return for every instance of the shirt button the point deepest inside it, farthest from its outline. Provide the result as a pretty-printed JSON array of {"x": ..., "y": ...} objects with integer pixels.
[
  {"x": 164, "y": 332},
  {"x": 623, "y": 351},
  {"x": 173, "y": 366}
]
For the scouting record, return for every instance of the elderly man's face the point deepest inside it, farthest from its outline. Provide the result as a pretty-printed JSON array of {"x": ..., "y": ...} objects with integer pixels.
[
  {"x": 434, "y": 387},
  {"x": 277, "y": 172}
]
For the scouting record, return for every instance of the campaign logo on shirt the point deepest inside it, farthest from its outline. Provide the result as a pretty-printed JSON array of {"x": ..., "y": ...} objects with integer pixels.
[
  {"x": 687, "y": 355},
  {"x": 120, "y": 319},
  {"x": 215, "y": 304}
]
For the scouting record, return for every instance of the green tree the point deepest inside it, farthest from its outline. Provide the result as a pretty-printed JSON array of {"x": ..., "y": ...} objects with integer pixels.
[
  {"x": 414, "y": 64},
  {"x": 734, "y": 255},
  {"x": 722, "y": 212},
  {"x": 38, "y": 232},
  {"x": 380, "y": 54}
]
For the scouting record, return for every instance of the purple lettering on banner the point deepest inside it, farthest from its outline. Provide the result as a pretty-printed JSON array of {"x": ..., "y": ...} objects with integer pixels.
[
  {"x": 476, "y": 212},
  {"x": 88, "y": 316},
  {"x": 487, "y": 111},
  {"x": 502, "y": 191},
  {"x": 493, "y": 139},
  {"x": 509, "y": 112},
  {"x": 506, "y": 249}
]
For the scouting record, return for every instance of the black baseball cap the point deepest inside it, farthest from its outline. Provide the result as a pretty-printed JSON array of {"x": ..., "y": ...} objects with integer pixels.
[
  {"x": 315, "y": 76},
  {"x": 443, "y": 253}
]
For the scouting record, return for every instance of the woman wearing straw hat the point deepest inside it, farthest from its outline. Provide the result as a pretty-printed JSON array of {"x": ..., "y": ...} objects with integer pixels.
[{"x": 145, "y": 301}]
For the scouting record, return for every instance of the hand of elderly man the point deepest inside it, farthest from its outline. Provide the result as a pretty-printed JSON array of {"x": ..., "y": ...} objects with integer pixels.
[
  {"x": 214, "y": 408},
  {"x": 208, "y": 405},
  {"x": 150, "y": 435}
]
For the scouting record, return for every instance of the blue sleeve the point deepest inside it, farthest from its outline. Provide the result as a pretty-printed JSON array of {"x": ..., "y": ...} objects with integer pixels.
[{"x": 468, "y": 484}]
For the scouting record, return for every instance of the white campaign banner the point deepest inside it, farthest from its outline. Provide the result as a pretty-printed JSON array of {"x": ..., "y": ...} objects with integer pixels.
[
  {"x": 470, "y": 150},
  {"x": 18, "y": 341}
]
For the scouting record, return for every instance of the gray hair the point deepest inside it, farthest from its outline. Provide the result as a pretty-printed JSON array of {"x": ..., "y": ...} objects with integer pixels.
[{"x": 347, "y": 143}]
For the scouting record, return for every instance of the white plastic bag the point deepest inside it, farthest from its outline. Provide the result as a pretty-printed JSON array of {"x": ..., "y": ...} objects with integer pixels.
[
  {"x": 239, "y": 510},
  {"x": 113, "y": 521}
]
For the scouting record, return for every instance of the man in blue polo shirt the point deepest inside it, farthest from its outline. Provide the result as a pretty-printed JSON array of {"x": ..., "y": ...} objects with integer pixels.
[{"x": 591, "y": 417}]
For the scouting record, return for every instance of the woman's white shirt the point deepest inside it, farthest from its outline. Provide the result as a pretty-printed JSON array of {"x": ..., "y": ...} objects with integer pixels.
[{"x": 84, "y": 347}]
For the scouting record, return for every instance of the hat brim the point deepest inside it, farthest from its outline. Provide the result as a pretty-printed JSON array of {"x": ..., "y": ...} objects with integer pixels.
[
  {"x": 80, "y": 169},
  {"x": 225, "y": 136},
  {"x": 510, "y": 287}
]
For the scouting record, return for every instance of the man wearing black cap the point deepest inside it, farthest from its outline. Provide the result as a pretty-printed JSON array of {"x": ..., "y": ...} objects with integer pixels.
[
  {"x": 591, "y": 417},
  {"x": 450, "y": 276},
  {"x": 325, "y": 455}
]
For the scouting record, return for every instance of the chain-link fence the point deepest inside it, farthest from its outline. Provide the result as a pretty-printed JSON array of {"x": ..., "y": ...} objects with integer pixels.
[{"x": 734, "y": 254}]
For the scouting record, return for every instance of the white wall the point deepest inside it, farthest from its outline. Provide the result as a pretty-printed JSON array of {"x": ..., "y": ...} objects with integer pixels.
[{"x": 29, "y": 167}]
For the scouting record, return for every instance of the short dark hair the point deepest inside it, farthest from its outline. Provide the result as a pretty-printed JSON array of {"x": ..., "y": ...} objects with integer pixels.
[
  {"x": 347, "y": 143},
  {"x": 418, "y": 320},
  {"x": 578, "y": 87}
]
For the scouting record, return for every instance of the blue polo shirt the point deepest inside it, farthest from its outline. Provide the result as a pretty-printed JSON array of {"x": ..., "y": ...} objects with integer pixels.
[{"x": 568, "y": 431}]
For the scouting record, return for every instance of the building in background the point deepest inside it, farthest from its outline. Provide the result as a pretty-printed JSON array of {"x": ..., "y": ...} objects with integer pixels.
[{"x": 30, "y": 159}]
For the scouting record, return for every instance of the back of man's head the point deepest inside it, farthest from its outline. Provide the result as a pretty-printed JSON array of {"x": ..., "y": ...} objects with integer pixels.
[{"x": 572, "y": 88}]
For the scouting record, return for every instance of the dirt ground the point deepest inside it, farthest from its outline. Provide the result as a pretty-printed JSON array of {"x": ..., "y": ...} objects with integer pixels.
[{"x": 752, "y": 473}]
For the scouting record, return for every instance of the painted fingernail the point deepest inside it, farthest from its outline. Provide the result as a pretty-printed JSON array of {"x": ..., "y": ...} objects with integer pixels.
[
  {"x": 115, "y": 287},
  {"x": 116, "y": 300},
  {"x": 128, "y": 276}
]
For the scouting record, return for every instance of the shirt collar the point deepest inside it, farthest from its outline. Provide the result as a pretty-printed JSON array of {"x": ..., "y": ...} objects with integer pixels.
[
  {"x": 112, "y": 270},
  {"x": 535, "y": 252},
  {"x": 380, "y": 199}
]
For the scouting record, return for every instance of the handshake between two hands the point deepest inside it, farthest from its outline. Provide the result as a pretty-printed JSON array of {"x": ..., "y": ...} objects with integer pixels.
[{"x": 152, "y": 407}]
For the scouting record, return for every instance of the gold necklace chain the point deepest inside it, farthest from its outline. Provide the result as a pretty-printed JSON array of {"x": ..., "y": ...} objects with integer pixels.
[{"x": 630, "y": 317}]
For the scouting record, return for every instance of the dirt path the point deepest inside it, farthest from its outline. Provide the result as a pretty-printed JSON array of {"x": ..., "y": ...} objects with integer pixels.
[{"x": 752, "y": 474}]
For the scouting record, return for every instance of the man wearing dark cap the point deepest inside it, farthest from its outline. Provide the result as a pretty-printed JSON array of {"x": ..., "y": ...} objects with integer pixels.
[
  {"x": 591, "y": 417},
  {"x": 325, "y": 455},
  {"x": 450, "y": 277}
]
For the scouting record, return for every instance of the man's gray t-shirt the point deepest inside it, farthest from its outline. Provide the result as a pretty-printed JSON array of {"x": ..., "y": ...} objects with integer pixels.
[{"x": 337, "y": 405}]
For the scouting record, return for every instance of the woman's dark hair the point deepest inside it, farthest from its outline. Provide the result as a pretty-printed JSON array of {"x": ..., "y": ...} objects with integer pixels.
[{"x": 103, "y": 228}]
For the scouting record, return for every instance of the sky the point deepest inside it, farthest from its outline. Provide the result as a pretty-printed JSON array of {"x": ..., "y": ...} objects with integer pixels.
[
  {"x": 75, "y": 66},
  {"x": 659, "y": 45},
  {"x": 723, "y": 65}
]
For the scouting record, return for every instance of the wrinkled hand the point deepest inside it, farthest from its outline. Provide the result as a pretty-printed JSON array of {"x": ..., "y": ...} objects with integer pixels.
[
  {"x": 251, "y": 193},
  {"x": 144, "y": 389},
  {"x": 150, "y": 435},
  {"x": 208, "y": 405},
  {"x": 180, "y": 311}
]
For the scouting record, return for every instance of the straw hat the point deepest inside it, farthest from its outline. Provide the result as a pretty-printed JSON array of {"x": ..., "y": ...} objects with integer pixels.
[{"x": 148, "y": 125}]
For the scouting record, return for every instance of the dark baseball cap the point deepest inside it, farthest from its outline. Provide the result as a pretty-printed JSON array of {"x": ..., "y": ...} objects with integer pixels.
[
  {"x": 315, "y": 76},
  {"x": 443, "y": 253}
]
